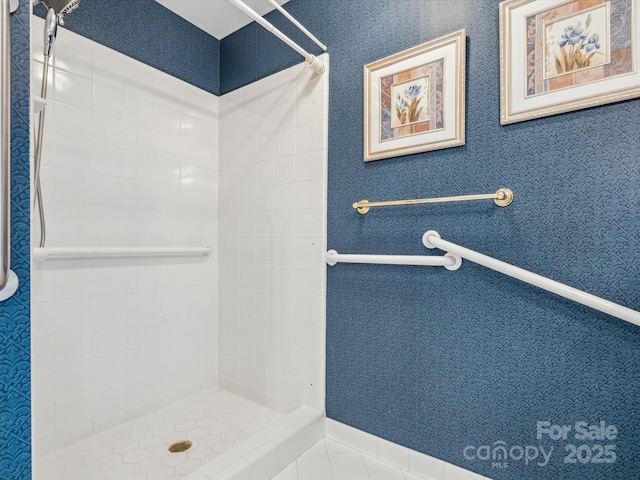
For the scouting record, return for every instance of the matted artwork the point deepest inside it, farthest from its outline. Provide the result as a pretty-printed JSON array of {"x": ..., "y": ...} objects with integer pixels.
[
  {"x": 563, "y": 55},
  {"x": 414, "y": 100}
]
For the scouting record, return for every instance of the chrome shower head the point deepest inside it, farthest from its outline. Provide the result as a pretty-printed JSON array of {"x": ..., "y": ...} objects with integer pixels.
[
  {"x": 50, "y": 31},
  {"x": 62, "y": 6},
  {"x": 56, "y": 11}
]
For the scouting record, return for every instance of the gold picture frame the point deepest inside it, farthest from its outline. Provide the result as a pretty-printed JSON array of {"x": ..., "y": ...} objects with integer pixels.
[
  {"x": 414, "y": 100},
  {"x": 558, "y": 56}
]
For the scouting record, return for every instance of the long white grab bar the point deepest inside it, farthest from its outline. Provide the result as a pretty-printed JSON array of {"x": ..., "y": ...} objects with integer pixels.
[
  {"x": 67, "y": 253},
  {"x": 8, "y": 279},
  {"x": 313, "y": 62},
  {"x": 448, "y": 261},
  {"x": 431, "y": 239}
]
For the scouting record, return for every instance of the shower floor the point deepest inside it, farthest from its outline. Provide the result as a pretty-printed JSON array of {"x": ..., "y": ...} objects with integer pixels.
[{"x": 213, "y": 420}]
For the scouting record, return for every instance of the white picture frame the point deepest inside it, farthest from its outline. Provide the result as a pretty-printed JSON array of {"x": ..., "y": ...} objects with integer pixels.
[
  {"x": 562, "y": 55},
  {"x": 414, "y": 100}
]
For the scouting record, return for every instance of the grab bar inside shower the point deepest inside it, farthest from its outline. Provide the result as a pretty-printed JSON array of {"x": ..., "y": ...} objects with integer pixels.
[
  {"x": 73, "y": 253},
  {"x": 8, "y": 279}
]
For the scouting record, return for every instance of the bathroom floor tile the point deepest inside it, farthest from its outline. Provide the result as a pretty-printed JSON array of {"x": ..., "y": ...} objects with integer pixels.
[
  {"x": 214, "y": 420},
  {"x": 331, "y": 460}
]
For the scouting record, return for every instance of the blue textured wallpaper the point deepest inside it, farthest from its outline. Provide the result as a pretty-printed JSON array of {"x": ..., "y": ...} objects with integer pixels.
[
  {"x": 459, "y": 364},
  {"x": 148, "y": 32},
  {"x": 15, "y": 369}
]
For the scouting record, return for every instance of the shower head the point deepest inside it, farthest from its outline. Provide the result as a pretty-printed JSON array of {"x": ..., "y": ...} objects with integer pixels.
[
  {"x": 55, "y": 16},
  {"x": 50, "y": 31},
  {"x": 62, "y": 6}
]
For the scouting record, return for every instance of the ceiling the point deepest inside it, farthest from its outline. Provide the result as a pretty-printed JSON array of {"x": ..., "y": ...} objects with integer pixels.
[{"x": 218, "y": 18}]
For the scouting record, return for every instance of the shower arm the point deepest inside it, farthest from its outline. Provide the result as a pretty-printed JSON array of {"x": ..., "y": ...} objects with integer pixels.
[{"x": 311, "y": 61}]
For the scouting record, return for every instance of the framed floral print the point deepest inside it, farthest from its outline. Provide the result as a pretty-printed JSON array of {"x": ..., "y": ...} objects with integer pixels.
[
  {"x": 414, "y": 100},
  {"x": 563, "y": 55}
]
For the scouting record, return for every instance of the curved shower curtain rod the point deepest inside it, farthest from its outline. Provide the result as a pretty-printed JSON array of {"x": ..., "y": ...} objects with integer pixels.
[{"x": 313, "y": 62}]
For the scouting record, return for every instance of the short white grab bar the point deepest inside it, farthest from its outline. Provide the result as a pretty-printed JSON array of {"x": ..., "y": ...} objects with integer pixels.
[
  {"x": 68, "y": 253},
  {"x": 448, "y": 261},
  {"x": 431, "y": 239}
]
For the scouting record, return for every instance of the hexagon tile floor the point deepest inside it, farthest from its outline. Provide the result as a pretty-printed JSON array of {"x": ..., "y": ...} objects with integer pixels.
[{"x": 214, "y": 421}]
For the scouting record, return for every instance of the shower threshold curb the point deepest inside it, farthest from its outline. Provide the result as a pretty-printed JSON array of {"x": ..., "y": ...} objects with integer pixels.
[{"x": 268, "y": 452}]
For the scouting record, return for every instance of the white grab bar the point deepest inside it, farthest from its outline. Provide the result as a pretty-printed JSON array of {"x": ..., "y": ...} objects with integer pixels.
[
  {"x": 431, "y": 239},
  {"x": 313, "y": 62},
  {"x": 67, "y": 253},
  {"x": 8, "y": 279},
  {"x": 448, "y": 261}
]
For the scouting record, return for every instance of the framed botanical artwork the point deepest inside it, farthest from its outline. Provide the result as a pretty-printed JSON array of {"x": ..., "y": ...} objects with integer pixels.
[
  {"x": 563, "y": 55},
  {"x": 414, "y": 100}
]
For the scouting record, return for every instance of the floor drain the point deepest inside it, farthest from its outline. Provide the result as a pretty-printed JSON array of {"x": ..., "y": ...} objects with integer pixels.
[{"x": 180, "y": 446}]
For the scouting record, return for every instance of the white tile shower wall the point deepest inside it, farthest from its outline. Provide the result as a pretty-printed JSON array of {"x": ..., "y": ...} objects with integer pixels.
[
  {"x": 130, "y": 159},
  {"x": 273, "y": 172}
]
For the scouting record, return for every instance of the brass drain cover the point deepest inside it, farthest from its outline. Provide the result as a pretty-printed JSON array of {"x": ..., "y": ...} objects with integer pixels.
[{"x": 181, "y": 446}]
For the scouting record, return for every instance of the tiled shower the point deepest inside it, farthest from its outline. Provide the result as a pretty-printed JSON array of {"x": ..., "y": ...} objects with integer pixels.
[
  {"x": 130, "y": 159},
  {"x": 135, "y": 157}
]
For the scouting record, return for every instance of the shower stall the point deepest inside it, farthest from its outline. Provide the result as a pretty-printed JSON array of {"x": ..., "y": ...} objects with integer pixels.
[{"x": 139, "y": 340}]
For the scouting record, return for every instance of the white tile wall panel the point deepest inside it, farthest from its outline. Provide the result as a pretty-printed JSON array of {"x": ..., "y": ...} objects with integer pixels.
[
  {"x": 130, "y": 159},
  {"x": 272, "y": 175}
]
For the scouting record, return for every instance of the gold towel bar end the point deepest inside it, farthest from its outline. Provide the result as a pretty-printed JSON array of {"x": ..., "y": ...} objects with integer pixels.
[
  {"x": 360, "y": 206},
  {"x": 504, "y": 197}
]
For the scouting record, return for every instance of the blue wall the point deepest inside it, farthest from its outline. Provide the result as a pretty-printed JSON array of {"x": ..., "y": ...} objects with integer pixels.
[
  {"x": 148, "y": 32},
  {"x": 15, "y": 370},
  {"x": 427, "y": 358},
  {"x": 438, "y": 360}
]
